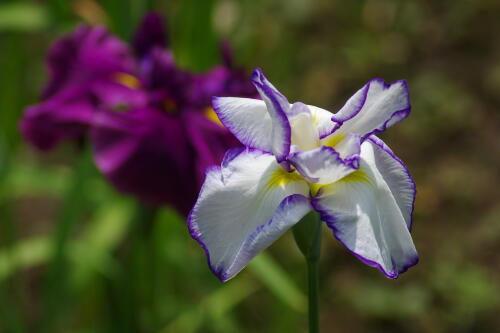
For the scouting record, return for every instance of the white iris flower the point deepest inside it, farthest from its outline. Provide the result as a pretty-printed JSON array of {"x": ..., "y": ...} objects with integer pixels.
[{"x": 299, "y": 158}]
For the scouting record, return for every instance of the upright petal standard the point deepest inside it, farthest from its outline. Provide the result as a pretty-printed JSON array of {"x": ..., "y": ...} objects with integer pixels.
[{"x": 300, "y": 158}]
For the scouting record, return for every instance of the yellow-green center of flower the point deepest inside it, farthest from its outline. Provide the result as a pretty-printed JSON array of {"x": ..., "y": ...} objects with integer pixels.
[
  {"x": 333, "y": 140},
  {"x": 358, "y": 176},
  {"x": 280, "y": 177},
  {"x": 127, "y": 80}
]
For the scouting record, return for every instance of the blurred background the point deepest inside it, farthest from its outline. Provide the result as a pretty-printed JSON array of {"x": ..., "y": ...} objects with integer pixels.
[{"x": 74, "y": 259}]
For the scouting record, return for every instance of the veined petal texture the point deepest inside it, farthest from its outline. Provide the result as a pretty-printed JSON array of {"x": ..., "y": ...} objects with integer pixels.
[
  {"x": 373, "y": 109},
  {"x": 247, "y": 119},
  {"x": 243, "y": 207},
  {"x": 368, "y": 212},
  {"x": 277, "y": 107}
]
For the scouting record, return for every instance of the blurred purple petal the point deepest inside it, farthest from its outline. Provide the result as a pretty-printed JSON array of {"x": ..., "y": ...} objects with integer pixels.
[
  {"x": 150, "y": 34},
  {"x": 164, "y": 81},
  {"x": 46, "y": 124},
  {"x": 145, "y": 153},
  {"x": 152, "y": 127},
  {"x": 77, "y": 63},
  {"x": 226, "y": 54},
  {"x": 221, "y": 81},
  {"x": 85, "y": 55},
  {"x": 115, "y": 95},
  {"x": 209, "y": 140}
]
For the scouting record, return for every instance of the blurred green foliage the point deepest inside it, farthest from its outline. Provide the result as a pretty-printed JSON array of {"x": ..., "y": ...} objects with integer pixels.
[{"x": 73, "y": 256}]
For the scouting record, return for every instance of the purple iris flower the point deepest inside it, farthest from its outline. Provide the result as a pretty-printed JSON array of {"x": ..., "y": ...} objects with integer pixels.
[
  {"x": 159, "y": 152},
  {"x": 151, "y": 125}
]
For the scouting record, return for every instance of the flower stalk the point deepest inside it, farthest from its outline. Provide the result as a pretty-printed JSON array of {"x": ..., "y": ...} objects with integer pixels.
[{"x": 307, "y": 234}]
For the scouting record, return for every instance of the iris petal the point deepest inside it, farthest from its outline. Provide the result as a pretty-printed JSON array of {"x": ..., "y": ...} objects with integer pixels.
[
  {"x": 244, "y": 206},
  {"x": 365, "y": 216},
  {"x": 373, "y": 108},
  {"x": 397, "y": 176},
  {"x": 304, "y": 132},
  {"x": 277, "y": 107},
  {"x": 247, "y": 119},
  {"x": 323, "y": 165}
]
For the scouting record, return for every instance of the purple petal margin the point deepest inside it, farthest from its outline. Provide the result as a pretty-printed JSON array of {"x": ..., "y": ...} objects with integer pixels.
[
  {"x": 340, "y": 120},
  {"x": 221, "y": 273},
  {"x": 266, "y": 88},
  {"x": 195, "y": 233},
  {"x": 230, "y": 126},
  {"x": 246, "y": 248},
  {"x": 351, "y": 161},
  {"x": 231, "y": 154},
  {"x": 395, "y": 117},
  {"x": 330, "y": 221},
  {"x": 376, "y": 141}
]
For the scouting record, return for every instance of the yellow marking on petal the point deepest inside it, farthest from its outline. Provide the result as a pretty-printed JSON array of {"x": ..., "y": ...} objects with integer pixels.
[
  {"x": 315, "y": 188},
  {"x": 210, "y": 114},
  {"x": 333, "y": 140},
  {"x": 358, "y": 176},
  {"x": 281, "y": 177},
  {"x": 314, "y": 117},
  {"x": 128, "y": 80},
  {"x": 170, "y": 106}
]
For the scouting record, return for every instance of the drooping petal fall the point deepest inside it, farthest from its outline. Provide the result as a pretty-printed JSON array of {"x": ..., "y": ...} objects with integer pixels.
[
  {"x": 397, "y": 176},
  {"x": 244, "y": 206},
  {"x": 368, "y": 211}
]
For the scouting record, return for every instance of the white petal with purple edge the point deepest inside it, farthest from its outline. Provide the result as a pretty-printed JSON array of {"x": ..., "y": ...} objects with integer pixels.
[
  {"x": 382, "y": 105},
  {"x": 277, "y": 107},
  {"x": 397, "y": 176},
  {"x": 247, "y": 119},
  {"x": 349, "y": 147},
  {"x": 365, "y": 216},
  {"x": 323, "y": 165},
  {"x": 243, "y": 207},
  {"x": 351, "y": 107}
]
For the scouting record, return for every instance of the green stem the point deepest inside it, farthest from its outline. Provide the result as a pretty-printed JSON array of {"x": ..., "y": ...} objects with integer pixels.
[
  {"x": 148, "y": 246},
  {"x": 307, "y": 235},
  {"x": 133, "y": 288},
  {"x": 56, "y": 284},
  {"x": 313, "y": 283}
]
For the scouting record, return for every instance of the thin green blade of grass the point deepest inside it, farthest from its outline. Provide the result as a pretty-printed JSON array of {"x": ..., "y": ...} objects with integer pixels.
[
  {"x": 23, "y": 16},
  {"x": 27, "y": 253},
  {"x": 87, "y": 254},
  {"x": 213, "y": 306},
  {"x": 277, "y": 281},
  {"x": 194, "y": 41},
  {"x": 55, "y": 292}
]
